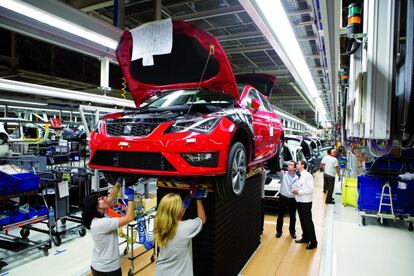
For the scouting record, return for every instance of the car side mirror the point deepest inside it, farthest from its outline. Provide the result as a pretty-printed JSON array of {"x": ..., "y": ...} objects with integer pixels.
[{"x": 255, "y": 104}]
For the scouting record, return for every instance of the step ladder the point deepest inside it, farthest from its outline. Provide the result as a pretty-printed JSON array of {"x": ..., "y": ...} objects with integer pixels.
[{"x": 388, "y": 195}]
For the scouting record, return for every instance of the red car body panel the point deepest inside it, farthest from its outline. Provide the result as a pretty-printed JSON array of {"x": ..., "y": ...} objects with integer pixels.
[
  {"x": 223, "y": 81},
  {"x": 160, "y": 152}
]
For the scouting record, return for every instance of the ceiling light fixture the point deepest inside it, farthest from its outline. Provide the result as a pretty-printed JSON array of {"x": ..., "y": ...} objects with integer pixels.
[
  {"x": 23, "y": 102},
  {"x": 270, "y": 17},
  {"x": 57, "y": 22},
  {"x": 71, "y": 95}
]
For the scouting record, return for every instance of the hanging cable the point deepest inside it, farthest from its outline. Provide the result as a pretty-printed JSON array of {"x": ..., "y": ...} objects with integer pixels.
[
  {"x": 211, "y": 52},
  {"x": 123, "y": 91}
]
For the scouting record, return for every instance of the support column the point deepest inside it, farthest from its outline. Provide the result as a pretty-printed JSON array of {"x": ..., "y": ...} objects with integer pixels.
[
  {"x": 157, "y": 9},
  {"x": 105, "y": 75}
]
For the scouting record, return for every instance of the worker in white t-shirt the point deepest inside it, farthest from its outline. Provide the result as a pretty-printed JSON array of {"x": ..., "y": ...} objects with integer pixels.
[
  {"x": 329, "y": 166},
  {"x": 104, "y": 230}
]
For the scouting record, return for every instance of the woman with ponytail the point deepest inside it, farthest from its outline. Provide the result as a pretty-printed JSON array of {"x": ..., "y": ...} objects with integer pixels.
[{"x": 174, "y": 236}]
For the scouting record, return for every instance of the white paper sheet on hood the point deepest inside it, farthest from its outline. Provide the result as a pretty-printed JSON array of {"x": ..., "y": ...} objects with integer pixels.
[{"x": 153, "y": 38}]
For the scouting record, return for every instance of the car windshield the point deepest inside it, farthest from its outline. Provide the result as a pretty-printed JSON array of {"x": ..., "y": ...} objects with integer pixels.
[
  {"x": 73, "y": 125},
  {"x": 293, "y": 142},
  {"x": 186, "y": 97}
]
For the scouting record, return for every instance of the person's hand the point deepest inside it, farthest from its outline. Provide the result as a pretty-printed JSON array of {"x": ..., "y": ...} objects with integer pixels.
[
  {"x": 295, "y": 192},
  {"x": 186, "y": 202},
  {"x": 196, "y": 193},
  {"x": 129, "y": 194},
  {"x": 193, "y": 191}
]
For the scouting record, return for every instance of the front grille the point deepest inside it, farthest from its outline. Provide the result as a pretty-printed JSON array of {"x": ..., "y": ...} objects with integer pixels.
[
  {"x": 132, "y": 160},
  {"x": 133, "y": 126},
  {"x": 136, "y": 129}
]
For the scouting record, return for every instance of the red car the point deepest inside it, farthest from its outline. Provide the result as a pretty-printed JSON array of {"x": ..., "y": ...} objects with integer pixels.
[{"x": 192, "y": 120}]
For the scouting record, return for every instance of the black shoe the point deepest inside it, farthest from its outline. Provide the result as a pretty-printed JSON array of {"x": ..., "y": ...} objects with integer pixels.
[
  {"x": 312, "y": 246},
  {"x": 330, "y": 202},
  {"x": 278, "y": 235},
  {"x": 293, "y": 235},
  {"x": 301, "y": 241}
]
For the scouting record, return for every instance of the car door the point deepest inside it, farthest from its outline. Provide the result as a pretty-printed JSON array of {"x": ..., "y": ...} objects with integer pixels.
[
  {"x": 274, "y": 124},
  {"x": 260, "y": 124}
]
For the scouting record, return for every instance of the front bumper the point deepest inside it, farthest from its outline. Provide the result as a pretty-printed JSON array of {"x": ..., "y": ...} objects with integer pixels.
[{"x": 160, "y": 154}]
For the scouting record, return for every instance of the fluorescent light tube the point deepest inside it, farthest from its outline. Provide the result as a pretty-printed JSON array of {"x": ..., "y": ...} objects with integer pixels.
[
  {"x": 22, "y": 102},
  {"x": 276, "y": 20},
  {"x": 57, "y": 22}
]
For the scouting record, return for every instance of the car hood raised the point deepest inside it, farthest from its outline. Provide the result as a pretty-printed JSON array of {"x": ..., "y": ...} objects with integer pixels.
[
  {"x": 181, "y": 69},
  {"x": 262, "y": 82}
]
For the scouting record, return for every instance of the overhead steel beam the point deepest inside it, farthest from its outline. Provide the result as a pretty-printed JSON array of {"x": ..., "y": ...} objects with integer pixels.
[
  {"x": 251, "y": 61},
  {"x": 299, "y": 12},
  {"x": 278, "y": 73},
  {"x": 248, "y": 49},
  {"x": 306, "y": 38},
  {"x": 223, "y": 38},
  {"x": 210, "y": 13},
  {"x": 96, "y": 6},
  {"x": 296, "y": 102},
  {"x": 284, "y": 97},
  {"x": 316, "y": 68},
  {"x": 312, "y": 56},
  {"x": 304, "y": 23}
]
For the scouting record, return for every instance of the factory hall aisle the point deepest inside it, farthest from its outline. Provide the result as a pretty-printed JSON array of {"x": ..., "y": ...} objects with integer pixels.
[{"x": 283, "y": 256}]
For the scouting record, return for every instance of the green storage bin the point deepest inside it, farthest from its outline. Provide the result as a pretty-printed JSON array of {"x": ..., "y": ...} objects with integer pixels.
[{"x": 350, "y": 192}]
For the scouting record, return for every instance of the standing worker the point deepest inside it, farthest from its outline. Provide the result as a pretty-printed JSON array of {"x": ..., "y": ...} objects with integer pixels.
[
  {"x": 105, "y": 254},
  {"x": 174, "y": 236},
  {"x": 303, "y": 191},
  {"x": 329, "y": 165},
  {"x": 287, "y": 200}
]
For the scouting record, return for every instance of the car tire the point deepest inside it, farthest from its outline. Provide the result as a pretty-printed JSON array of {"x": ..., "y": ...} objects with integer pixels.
[
  {"x": 232, "y": 184},
  {"x": 276, "y": 163},
  {"x": 111, "y": 177}
]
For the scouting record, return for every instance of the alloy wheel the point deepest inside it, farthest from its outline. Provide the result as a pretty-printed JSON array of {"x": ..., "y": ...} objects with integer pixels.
[{"x": 239, "y": 169}]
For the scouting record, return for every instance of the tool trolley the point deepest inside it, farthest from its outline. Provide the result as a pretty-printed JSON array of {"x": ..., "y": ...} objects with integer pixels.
[
  {"x": 18, "y": 183},
  {"x": 49, "y": 182}
]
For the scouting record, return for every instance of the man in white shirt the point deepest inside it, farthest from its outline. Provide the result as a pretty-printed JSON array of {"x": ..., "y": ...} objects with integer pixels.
[
  {"x": 329, "y": 165},
  {"x": 287, "y": 200},
  {"x": 303, "y": 190}
]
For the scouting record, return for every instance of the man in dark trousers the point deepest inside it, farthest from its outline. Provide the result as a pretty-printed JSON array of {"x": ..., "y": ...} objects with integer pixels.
[
  {"x": 287, "y": 200},
  {"x": 303, "y": 191},
  {"x": 329, "y": 166}
]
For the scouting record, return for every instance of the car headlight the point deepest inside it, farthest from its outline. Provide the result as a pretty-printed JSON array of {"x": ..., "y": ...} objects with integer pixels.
[{"x": 202, "y": 126}]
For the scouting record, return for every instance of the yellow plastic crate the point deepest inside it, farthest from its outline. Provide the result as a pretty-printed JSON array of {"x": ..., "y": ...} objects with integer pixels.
[{"x": 350, "y": 192}]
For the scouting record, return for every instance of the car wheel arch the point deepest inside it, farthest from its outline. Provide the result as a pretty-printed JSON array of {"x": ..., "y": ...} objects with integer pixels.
[{"x": 242, "y": 136}]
